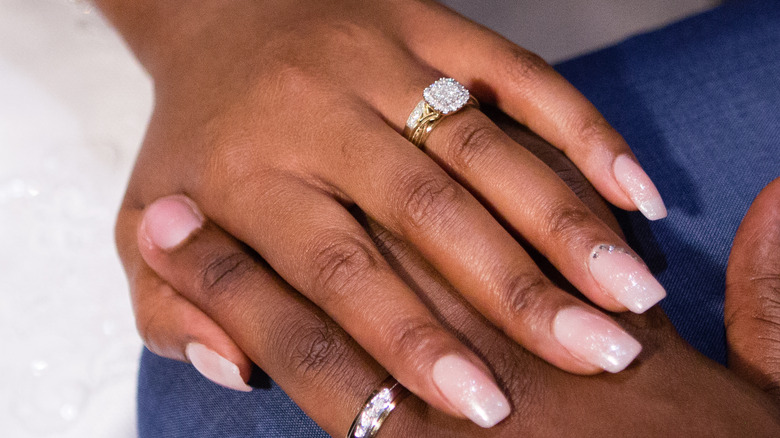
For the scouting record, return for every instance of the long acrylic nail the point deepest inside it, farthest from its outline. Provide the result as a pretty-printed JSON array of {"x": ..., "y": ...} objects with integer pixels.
[
  {"x": 470, "y": 391},
  {"x": 638, "y": 186},
  {"x": 595, "y": 339},
  {"x": 625, "y": 278},
  {"x": 169, "y": 221},
  {"x": 215, "y": 367}
]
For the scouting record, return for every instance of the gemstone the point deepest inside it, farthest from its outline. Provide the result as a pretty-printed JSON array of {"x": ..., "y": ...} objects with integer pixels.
[
  {"x": 360, "y": 431},
  {"x": 416, "y": 115},
  {"x": 446, "y": 95},
  {"x": 378, "y": 404}
]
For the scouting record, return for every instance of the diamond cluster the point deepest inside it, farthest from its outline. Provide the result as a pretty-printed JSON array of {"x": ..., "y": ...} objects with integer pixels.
[
  {"x": 376, "y": 407},
  {"x": 446, "y": 95}
]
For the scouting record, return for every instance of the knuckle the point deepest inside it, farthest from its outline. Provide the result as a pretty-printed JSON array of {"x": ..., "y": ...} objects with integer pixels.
[
  {"x": 768, "y": 299},
  {"x": 339, "y": 263},
  {"x": 526, "y": 65},
  {"x": 292, "y": 79},
  {"x": 521, "y": 294},
  {"x": 223, "y": 273},
  {"x": 471, "y": 142},
  {"x": 414, "y": 338},
  {"x": 315, "y": 348},
  {"x": 225, "y": 169},
  {"x": 566, "y": 222},
  {"x": 427, "y": 199},
  {"x": 763, "y": 308},
  {"x": 594, "y": 130}
]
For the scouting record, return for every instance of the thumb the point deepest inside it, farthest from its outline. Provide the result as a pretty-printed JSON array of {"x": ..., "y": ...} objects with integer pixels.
[{"x": 752, "y": 308}]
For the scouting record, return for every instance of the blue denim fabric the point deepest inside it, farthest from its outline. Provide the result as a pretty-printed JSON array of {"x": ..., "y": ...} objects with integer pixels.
[{"x": 698, "y": 103}]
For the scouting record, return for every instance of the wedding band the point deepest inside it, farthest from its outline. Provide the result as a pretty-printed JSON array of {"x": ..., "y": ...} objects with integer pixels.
[
  {"x": 442, "y": 98},
  {"x": 376, "y": 409}
]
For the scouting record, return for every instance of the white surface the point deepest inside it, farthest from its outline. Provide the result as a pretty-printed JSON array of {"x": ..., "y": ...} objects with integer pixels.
[
  {"x": 73, "y": 105},
  {"x": 72, "y": 110},
  {"x": 561, "y": 29}
]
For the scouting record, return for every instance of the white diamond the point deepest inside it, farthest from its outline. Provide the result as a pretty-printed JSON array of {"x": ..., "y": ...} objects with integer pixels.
[
  {"x": 446, "y": 95},
  {"x": 382, "y": 398},
  {"x": 416, "y": 114},
  {"x": 360, "y": 432},
  {"x": 366, "y": 420}
]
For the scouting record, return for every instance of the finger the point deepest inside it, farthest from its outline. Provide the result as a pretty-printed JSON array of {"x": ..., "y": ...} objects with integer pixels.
[
  {"x": 559, "y": 163},
  {"x": 298, "y": 346},
  {"x": 523, "y": 191},
  {"x": 548, "y": 214},
  {"x": 752, "y": 307},
  {"x": 347, "y": 278},
  {"x": 415, "y": 199},
  {"x": 173, "y": 327},
  {"x": 528, "y": 89}
]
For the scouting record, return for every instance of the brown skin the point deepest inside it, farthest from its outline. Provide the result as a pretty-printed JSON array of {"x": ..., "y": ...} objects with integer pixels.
[
  {"x": 671, "y": 390},
  {"x": 752, "y": 310},
  {"x": 227, "y": 76},
  {"x": 275, "y": 117}
]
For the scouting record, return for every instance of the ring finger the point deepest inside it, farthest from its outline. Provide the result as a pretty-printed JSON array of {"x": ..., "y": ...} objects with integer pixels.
[
  {"x": 416, "y": 199},
  {"x": 347, "y": 277}
]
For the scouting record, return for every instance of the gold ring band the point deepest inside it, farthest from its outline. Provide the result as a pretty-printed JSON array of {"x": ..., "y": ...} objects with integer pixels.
[
  {"x": 376, "y": 409},
  {"x": 442, "y": 98}
]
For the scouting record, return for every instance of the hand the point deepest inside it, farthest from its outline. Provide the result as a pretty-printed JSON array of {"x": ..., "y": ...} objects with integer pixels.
[
  {"x": 671, "y": 390},
  {"x": 752, "y": 309},
  {"x": 275, "y": 117}
]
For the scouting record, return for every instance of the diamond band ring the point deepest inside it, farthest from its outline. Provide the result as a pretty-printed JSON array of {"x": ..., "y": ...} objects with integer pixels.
[
  {"x": 442, "y": 98},
  {"x": 376, "y": 409}
]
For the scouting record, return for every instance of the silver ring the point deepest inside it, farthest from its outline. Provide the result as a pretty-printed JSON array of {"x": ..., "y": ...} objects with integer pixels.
[
  {"x": 376, "y": 409},
  {"x": 444, "y": 97}
]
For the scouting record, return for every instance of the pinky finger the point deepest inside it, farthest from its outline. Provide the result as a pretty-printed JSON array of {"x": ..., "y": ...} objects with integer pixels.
[{"x": 172, "y": 327}]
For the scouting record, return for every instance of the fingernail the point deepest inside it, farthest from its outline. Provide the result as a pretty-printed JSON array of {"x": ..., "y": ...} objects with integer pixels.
[
  {"x": 470, "y": 391},
  {"x": 215, "y": 367},
  {"x": 169, "y": 221},
  {"x": 638, "y": 186},
  {"x": 594, "y": 339},
  {"x": 625, "y": 278}
]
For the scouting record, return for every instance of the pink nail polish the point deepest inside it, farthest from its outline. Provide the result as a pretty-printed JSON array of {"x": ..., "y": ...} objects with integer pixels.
[
  {"x": 169, "y": 221},
  {"x": 595, "y": 339},
  {"x": 638, "y": 186},
  {"x": 215, "y": 367},
  {"x": 470, "y": 391},
  {"x": 625, "y": 278}
]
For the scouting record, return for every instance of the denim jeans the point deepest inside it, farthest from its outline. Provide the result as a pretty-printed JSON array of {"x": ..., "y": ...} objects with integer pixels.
[{"x": 698, "y": 102}]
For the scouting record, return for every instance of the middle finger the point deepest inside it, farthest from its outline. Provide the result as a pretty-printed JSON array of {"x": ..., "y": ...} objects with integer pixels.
[{"x": 416, "y": 199}]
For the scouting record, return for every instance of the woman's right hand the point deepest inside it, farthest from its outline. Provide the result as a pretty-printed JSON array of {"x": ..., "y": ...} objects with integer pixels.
[
  {"x": 671, "y": 391},
  {"x": 276, "y": 117}
]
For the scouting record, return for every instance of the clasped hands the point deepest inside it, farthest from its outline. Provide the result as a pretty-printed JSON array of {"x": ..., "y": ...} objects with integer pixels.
[{"x": 383, "y": 258}]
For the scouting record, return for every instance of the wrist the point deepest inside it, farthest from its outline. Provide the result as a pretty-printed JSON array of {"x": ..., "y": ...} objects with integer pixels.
[{"x": 155, "y": 29}]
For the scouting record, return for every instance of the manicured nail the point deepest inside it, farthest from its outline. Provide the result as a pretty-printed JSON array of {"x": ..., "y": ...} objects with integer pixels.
[
  {"x": 594, "y": 339},
  {"x": 625, "y": 278},
  {"x": 637, "y": 185},
  {"x": 169, "y": 221},
  {"x": 215, "y": 367},
  {"x": 470, "y": 391}
]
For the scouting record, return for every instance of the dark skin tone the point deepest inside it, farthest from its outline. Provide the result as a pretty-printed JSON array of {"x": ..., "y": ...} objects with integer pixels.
[
  {"x": 207, "y": 139},
  {"x": 276, "y": 117},
  {"x": 671, "y": 390}
]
